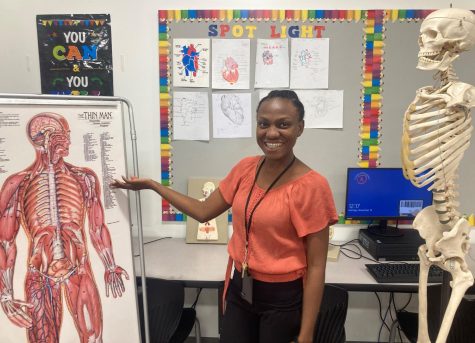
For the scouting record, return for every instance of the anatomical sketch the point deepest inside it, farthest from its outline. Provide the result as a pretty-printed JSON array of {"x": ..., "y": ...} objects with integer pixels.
[
  {"x": 190, "y": 116},
  {"x": 230, "y": 70},
  {"x": 304, "y": 57},
  {"x": 323, "y": 108},
  {"x": 191, "y": 62},
  {"x": 230, "y": 63},
  {"x": 232, "y": 108},
  {"x": 207, "y": 231},
  {"x": 187, "y": 111},
  {"x": 52, "y": 200},
  {"x": 231, "y": 115},
  {"x": 436, "y": 132}
]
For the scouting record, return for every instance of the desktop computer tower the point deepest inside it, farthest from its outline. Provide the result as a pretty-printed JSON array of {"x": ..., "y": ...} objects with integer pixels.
[{"x": 391, "y": 248}]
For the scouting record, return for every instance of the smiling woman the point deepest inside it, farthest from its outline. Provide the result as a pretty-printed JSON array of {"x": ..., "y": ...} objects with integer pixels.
[
  {"x": 281, "y": 213},
  {"x": 279, "y": 124}
]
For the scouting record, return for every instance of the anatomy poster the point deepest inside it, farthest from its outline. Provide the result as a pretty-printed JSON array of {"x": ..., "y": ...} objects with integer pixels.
[
  {"x": 323, "y": 108},
  {"x": 231, "y": 63},
  {"x": 72, "y": 279},
  {"x": 191, "y": 62},
  {"x": 232, "y": 115},
  {"x": 272, "y": 63},
  {"x": 75, "y": 54},
  {"x": 309, "y": 63}
]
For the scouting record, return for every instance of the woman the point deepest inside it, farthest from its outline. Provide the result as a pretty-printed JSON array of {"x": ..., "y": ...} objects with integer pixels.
[{"x": 278, "y": 249}]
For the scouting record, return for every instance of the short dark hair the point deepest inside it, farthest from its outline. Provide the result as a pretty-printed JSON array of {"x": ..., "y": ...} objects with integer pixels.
[{"x": 285, "y": 94}]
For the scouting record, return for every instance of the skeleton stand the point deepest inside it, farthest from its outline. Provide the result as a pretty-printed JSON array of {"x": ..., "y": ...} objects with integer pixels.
[{"x": 74, "y": 100}]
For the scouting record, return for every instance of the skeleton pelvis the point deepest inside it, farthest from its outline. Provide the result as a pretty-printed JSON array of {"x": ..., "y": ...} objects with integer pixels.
[{"x": 428, "y": 225}]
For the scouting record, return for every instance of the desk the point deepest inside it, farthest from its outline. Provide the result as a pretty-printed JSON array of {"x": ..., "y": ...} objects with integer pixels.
[
  {"x": 197, "y": 265},
  {"x": 204, "y": 266}
]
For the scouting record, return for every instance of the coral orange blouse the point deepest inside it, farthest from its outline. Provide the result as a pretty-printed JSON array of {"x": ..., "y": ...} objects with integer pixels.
[{"x": 287, "y": 213}]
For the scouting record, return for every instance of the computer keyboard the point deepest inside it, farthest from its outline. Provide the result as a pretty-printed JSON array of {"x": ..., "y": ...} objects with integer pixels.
[{"x": 402, "y": 273}]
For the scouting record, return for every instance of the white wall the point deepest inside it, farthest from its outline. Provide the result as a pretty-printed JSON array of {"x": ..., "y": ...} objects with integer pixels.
[{"x": 135, "y": 58}]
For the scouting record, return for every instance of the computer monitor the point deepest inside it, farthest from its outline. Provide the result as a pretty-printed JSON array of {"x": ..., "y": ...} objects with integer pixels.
[{"x": 383, "y": 194}]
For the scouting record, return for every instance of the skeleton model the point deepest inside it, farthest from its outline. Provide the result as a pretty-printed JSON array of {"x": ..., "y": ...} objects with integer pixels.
[
  {"x": 436, "y": 132},
  {"x": 50, "y": 200}
]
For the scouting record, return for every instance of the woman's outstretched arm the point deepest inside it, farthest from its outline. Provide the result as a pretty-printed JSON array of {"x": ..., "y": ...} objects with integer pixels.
[{"x": 202, "y": 211}]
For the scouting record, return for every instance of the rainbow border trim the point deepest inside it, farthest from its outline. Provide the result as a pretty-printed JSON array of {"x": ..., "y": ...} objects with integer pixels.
[
  {"x": 372, "y": 88},
  {"x": 266, "y": 15},
  {"x": 372, "y": 71},
  {"x": 168, "y": 214}
]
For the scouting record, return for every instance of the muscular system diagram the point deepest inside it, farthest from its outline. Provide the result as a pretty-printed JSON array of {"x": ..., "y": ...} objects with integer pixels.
[{"x": 54, "y": 201}]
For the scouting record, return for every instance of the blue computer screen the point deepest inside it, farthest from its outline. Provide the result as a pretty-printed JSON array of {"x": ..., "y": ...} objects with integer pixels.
[{"x": 383, "y": 193}]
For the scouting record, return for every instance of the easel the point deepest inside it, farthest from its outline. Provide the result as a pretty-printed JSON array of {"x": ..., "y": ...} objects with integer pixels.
[{"x": 32, "y": 99}]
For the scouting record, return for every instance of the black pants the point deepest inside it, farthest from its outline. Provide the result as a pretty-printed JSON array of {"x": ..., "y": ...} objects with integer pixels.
[{"x": 273, "y": 317}]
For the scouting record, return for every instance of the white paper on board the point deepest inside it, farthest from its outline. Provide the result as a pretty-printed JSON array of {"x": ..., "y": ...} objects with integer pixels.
[
  {"x": 191, "y": 62},
  {"x": 323, "y": 108},
  {"x": 272, "y": 63},
  {"x": 309, "y": 63},
  {"x": 231, "y": 63},
  {"x": 190, "y": 116},
  {"x": 232, "y": 115}
]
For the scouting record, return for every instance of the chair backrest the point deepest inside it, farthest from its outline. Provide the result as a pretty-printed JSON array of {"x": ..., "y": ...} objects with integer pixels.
[
  {"x": 463, "y": 329},
  {"x": 330, "y": 326},
  {"x": 165, "y": 306}
]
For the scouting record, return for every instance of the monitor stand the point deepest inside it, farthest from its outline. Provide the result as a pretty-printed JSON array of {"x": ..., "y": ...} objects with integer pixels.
[{"x": 383, "y": 230}]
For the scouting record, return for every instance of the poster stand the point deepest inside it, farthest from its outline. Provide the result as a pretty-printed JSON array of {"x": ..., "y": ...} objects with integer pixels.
[{"x": 126, "y": 109}]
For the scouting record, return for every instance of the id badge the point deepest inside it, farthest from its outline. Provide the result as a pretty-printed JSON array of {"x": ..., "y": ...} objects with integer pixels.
[{"x": 246, "y": 289}]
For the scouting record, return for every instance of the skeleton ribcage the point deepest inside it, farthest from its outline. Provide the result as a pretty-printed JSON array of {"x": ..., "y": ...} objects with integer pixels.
[
  {"x": 434, "y": 141},
  {"x": 53, "y": 201}
]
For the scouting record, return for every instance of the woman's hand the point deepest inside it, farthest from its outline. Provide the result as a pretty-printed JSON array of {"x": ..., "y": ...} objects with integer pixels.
[{"x": 133, "y": 183}]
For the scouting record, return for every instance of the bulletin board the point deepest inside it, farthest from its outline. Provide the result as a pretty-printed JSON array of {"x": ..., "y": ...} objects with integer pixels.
[{"x": 372, "y": 59}]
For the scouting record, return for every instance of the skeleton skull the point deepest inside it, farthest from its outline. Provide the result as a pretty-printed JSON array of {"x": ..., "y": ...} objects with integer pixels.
[{"x": 443, "y": 35}]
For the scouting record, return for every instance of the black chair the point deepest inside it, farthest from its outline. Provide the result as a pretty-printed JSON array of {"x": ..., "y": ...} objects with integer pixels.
[
  {"x": 330, "y": 326},
  {"x": 462, "y": 330},
  {"x": 169, "y": 321}
]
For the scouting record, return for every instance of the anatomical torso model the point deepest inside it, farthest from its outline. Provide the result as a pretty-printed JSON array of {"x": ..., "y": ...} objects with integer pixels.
[
  {"x": 207, "y": 231},
  {"x": 436, "y": 132}
]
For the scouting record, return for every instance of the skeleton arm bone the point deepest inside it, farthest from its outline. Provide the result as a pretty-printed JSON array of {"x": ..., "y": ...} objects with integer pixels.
[
  {"x": 462, "y": 94},
  {"x": 9, "y": 227},
  {"x": 100, "y": 237}
]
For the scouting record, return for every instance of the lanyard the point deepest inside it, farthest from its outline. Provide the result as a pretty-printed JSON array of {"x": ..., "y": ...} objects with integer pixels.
[{"x": 247, "y": 222}]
